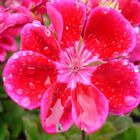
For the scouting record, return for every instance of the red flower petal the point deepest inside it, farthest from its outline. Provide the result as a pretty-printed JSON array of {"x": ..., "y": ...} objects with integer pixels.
[
  {"x": 108, "y": 33},
  {"x": 68, "y": 19},
  {"x": 56, "y": 109},
  {"x": 38, "y": 38},
  {"x": 26, "y": 77},
  {"x": 131, "y": 10},
  {"x": 119, "y": 81},
  {"x": 90, "y": 108},
  {"x": 8, "y": 43},
  {"x": 2, "y": 55},
  {"x": 14, "y": 20}
]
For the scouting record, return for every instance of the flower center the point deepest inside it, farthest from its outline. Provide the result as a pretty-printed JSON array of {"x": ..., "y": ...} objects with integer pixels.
[{"x": 74, "y": 67}]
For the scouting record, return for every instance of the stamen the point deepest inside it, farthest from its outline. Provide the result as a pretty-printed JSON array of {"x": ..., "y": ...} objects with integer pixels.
[{"x": 113, "y": 4}]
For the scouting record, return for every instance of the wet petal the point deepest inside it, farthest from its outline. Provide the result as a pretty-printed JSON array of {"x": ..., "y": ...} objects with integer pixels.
[
  {"x": 131, "y": 10},
  {"x": 68, "y": 19},
  {"x": 26, "y": 77},
  {"x": 38, "y": 38},
  {"x": 14, "y": 20},
  {"x": 56, "y": 109},
  {"x": 108, "y": 33},
  {"x": 120, "y": 82},
  {"x": 90, "y": 108}
]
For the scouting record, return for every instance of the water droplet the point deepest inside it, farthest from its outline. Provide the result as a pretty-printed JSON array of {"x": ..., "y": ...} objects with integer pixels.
[
  {"x": 130, "y": 100},
  {"x": 49, "y": 60},
  {"x": 31, "y": 68},
  {"x": 115, "y": 54},
  {"x": 4, "y": 79},
  {"x": 19, "y": 91},
  {"x": 46, "y": 48},
  {"x": 136, "y": 69},
  {"x": 10, "y": 76},
  {"x": 25, "y": 102},
  {"x": 67, "y": 27},
  {"x": 113, "y": 91},
  {"x": 118, "y": 82},
  {"x": 47, "y": 32},
  {"x": 47, "y": 81},
  {"x": 31, "y": 85},
  {"x": 39, "y": 96},
  {"x": 36, "y": 23},
  {"x": 131, "y": 82},
  {"x": 15, "y": 56},
  {"x": 119, "y": 46},
  {"x": 97, "y": 83},
  {"x": 125, "y": 63},
  {"x": 31, "y": 53},
  {"x": 96, "y": 42}
]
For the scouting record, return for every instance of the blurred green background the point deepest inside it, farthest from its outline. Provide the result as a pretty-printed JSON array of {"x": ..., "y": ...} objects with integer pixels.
[{"x": 17, "y": 123}]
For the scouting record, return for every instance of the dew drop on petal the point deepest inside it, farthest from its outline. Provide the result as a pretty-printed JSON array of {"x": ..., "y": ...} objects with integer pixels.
[
  {"x": 47, "y": 81},
  {"x": 15, "y": 56},
  {"x": 39, "y": 96},
  {"x": 115, "y": 54},
  {"x": 31, "y": 53},
  {"x": 25, "y": 102},
  {"x": 10, "y": 76},
  {"x": 19, "y": 91},
  {"x": 46, "y": 48},
  {"x": 67, "y": 27},
  {"x": 4, "y": 79},
  {"x": 47, "y": 32},
  {"x": 130, "y": 100},
  {"x": 36, "y": 23},
  {"x": 31, "y": 70},
  {"x": 125, "y": 63},
  {"x": 136, "y": 70},
  {"x": 31, "y": 85},
  {"x": 131, "y": 82}
]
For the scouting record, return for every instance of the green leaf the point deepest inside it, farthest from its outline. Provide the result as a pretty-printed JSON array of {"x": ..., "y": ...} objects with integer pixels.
[
  {"x": 4, "y": 134},
  {"x": 129, "y": 134},
  {"x": 1, "y": 107}
]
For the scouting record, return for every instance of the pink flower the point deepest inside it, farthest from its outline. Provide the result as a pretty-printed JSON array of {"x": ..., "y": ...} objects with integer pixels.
[
  {"x": 11, "y": 20},
  {"x": 130, "y": 9},
  {"x": 10, "y": 24},
  {"x": 36, "y": 8},
  {"x": 74, "y": 78},
  {"x": 134, "y": 55},
  {"x": 7, "y": 43}
]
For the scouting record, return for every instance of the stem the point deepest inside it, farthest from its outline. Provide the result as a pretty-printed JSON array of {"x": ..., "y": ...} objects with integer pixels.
[{"x": 83, "y": 135}]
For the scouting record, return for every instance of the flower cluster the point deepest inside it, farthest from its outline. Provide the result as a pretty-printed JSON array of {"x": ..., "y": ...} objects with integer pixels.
[
  {"x": 77, "y": 71},
  {"x": 13, "y": 16}
]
